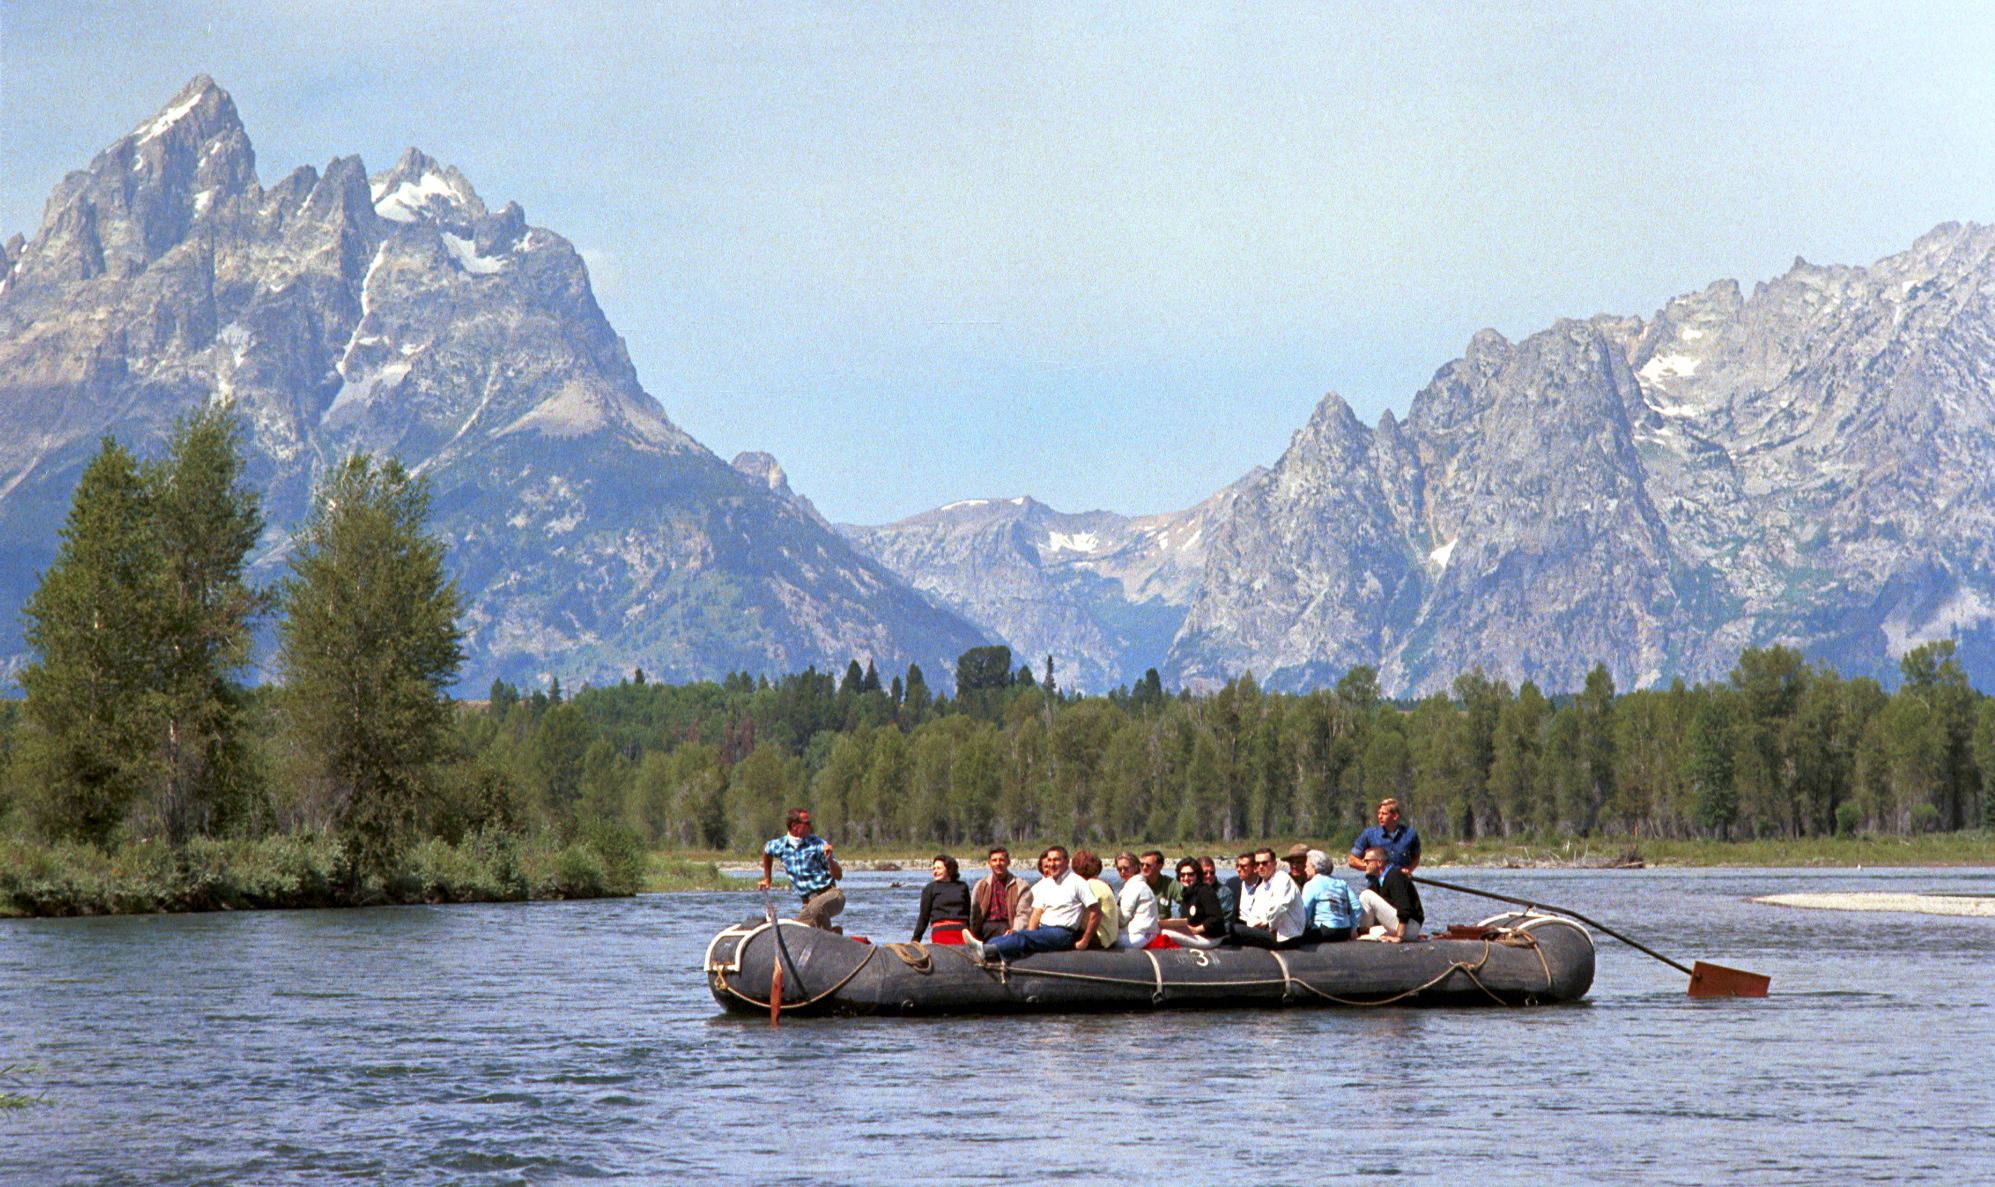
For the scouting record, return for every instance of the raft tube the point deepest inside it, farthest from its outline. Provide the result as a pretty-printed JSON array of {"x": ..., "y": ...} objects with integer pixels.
[{"x": 1525, "y": 959}]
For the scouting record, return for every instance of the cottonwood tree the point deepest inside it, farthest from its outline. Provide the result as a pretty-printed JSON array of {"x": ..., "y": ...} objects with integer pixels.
[
  {"x": 208, "y": 522},
  {"x": 369, "y": 646},
  {"x": 94, "y": 625},
  {"x": 142, "y": 630}
]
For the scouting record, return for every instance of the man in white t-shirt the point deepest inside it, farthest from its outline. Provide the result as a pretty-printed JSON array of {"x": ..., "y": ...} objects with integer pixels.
[
  {"x": 1138, "y": 902},
  {"x": 1063, "y": 910}
]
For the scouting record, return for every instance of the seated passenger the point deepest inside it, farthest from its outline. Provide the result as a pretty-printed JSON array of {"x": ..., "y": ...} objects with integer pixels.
[
  {"x": 1108, "y": 923},
  {"x": 945, "y": 901},
  {"x": 1297, "y": 858},
  {"x": 1163, "y": 887},
  {"x": 1137, "y": 902},
  {"x": 996, "y": 898},
  {"x": 1392, "y": 910},
  {"x": 1063, "y": 909},
  {"x": 1204, "y": 922},
  {"x": 1329, "y": 903},
  {"x": 1271, "y": 910},
  {"x": 1233, "y": 891}
]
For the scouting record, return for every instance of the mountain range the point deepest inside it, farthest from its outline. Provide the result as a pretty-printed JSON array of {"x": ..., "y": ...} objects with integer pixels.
[{"x": 1804, "y": 465}]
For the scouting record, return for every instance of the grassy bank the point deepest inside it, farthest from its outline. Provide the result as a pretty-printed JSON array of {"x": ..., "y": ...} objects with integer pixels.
[
  {"x": 304, "y": 870},
  {"x": 667, "y": 872}
]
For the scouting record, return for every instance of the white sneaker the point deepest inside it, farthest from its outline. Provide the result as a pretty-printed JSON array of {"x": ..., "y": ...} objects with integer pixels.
[{"x": 974, "y": 946}]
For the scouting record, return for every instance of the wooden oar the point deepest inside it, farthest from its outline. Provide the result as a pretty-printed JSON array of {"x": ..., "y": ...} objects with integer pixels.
[
  {"x": 1706, "y": 980},
  {"x": 775, "y": 965}
]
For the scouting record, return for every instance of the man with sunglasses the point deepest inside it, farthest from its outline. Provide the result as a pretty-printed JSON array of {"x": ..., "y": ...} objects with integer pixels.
[{"x": 1271, "y": 914}]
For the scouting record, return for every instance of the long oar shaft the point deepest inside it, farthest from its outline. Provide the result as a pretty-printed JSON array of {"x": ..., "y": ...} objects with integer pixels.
[{"x": 1592, "y": 923}]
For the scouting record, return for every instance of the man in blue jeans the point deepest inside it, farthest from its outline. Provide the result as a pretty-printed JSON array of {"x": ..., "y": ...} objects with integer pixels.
[{"x": 1064, "y": 908}]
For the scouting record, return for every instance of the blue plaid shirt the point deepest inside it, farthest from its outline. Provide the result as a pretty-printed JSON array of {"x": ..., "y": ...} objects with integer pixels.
[{"x": 808, "y": 864}]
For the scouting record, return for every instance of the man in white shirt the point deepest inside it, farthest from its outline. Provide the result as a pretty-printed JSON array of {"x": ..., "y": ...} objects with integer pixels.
[
  {"x": 1063, "y": 910},
  {"x": 1140, "y": 924},
  {"x": 1271, "y": 914}
]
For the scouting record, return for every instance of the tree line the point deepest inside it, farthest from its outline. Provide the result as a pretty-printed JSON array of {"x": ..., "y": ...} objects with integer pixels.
[
  {"x": 1782, "y": 748},
  {"x": 137, "y": 723}
]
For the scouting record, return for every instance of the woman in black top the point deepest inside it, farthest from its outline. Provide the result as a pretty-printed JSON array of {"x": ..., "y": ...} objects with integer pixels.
[
  {"x": 945, "y": 900},
  {"x": 1203, "y": 916}
]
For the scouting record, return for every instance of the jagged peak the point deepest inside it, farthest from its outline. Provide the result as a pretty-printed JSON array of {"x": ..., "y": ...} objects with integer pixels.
[
  {"x": 421, "y": 189},
  {"x": 206, "y": 105}
]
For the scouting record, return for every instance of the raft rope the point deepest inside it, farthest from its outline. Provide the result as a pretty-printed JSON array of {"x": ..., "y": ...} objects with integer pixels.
[
  {"x": 720, "y": 975},
  {"x": 1511, "y": 938},
  {"x": 914, "y": 955}
]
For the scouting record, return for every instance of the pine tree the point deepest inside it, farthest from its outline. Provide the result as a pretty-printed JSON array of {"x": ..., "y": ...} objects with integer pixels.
[{"x": 369, "y": 645}]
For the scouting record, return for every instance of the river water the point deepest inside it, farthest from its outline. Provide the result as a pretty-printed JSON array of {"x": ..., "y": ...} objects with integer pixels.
[{"x": 572, "y": 1042}]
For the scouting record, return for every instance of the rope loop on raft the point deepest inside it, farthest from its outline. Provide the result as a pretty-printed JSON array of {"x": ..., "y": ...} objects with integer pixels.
[{"x": 914, "y": 955}]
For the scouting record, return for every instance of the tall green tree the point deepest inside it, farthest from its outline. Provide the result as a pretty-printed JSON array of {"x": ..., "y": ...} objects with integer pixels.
[
  {"x": 142, "y": 630},
  {"x": 208, "y": 523},
  {"x": 370, "y": 645},
  {"x": 94, "y": 624}
]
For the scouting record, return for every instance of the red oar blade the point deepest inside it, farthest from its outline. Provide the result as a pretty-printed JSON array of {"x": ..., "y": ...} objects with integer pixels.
[
  {"x": 1715, "y": 980},
  {"x": 776, "y": 992}
]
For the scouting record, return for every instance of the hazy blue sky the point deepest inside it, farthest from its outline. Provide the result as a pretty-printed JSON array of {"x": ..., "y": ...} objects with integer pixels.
[{"x": 1107, "y": 255}]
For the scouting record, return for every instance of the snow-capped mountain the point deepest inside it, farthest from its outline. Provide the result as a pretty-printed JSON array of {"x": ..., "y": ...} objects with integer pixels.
[
  {"x": 397, "y": 314},
  {"x": 1807, "y": 466}
]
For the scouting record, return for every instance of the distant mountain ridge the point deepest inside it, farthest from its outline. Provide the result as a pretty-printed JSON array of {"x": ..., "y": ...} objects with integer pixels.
[
  {"x": 1103, "y": 594},
  {"x": 397, "y": 314},
  {"x": 1807, "y": 466}
]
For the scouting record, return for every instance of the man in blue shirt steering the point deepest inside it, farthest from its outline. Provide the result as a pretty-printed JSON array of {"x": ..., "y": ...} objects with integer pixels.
[
  {"x": 814, "y": 872},
  {"x": 1400, "y": 842}
]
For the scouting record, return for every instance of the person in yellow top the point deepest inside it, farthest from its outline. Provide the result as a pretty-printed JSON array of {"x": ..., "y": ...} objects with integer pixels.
[{"x": 1108, "y": 924}]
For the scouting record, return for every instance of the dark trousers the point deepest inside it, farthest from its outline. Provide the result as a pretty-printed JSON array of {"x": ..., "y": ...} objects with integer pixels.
[{"x": 1260, "y": 937}]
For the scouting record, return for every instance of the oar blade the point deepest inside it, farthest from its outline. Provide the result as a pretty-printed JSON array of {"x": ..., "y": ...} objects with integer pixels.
[
  {"x": 1715, "y": 980},
  {"x": 776, "y": 994}
]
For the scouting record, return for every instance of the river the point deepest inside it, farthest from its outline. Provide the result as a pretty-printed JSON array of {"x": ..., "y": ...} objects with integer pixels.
[{"x": 577, "y": 1042}]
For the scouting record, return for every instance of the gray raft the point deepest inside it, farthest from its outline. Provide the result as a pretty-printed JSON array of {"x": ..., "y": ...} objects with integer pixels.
[{"x": 1526, "y": 959}]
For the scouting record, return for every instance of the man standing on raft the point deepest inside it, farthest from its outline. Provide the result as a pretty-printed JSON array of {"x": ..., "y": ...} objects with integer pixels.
[
  {"x": 814, "y": 872},
  {"x": 1400, "y": 842}
]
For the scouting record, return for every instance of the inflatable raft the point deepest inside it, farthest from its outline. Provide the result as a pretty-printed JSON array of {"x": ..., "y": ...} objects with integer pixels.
[{"x": 1514, "y": 960}]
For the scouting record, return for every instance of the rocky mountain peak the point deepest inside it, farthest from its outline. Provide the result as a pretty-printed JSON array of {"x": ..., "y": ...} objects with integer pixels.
[
  {"x": 421, "y": 189},
  {"x": 763, "y": 468},
  {"x": 395, "y": 315},
  {"x": 142, "y": 196}
]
